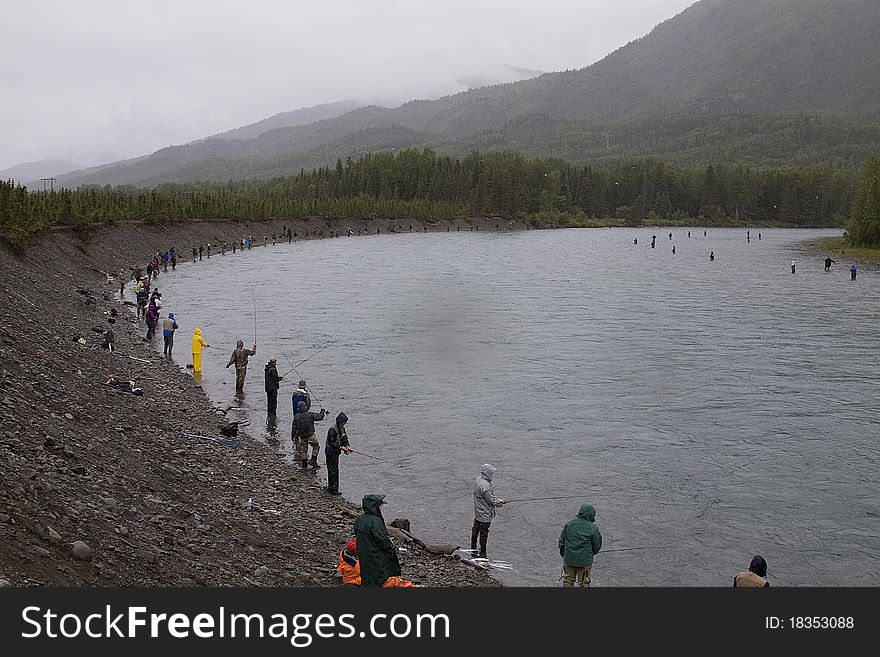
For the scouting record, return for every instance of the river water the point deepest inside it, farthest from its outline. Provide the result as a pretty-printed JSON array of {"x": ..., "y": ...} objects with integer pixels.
[{"x": 709, "y": 410}]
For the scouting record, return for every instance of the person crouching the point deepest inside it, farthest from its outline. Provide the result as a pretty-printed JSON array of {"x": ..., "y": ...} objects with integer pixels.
[{"x": 348, "y": 566}]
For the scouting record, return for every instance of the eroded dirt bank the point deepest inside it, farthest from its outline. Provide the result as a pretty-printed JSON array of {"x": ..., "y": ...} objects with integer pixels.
[{"x": 99, "y": 487}]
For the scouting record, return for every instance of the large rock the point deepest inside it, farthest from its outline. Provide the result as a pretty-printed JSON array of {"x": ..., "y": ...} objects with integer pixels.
[{"x": 81, "y": 551}]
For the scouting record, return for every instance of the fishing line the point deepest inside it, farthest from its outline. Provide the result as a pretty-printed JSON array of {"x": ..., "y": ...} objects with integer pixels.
[
  {"x": 301, "y": 377},
  {"x": 254, "y": 299},
  {"x": 540, "y": 499},
  {"x": 647, "y": 547},
  {"x": 305, "y": 360},
  {"x": 399, "y": 465}
]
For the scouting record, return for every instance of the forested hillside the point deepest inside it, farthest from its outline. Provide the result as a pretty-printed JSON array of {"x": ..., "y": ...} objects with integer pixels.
[
  {"x": 426, "y": 185},
  {"x": 758, "y": 82}
]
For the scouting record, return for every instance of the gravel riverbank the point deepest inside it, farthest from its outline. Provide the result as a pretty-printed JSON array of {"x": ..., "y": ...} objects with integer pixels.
[{"x": 98, "y": 486}]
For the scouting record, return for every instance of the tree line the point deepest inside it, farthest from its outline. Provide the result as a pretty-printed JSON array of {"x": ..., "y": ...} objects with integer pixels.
[{"x": 422, "y": 184}]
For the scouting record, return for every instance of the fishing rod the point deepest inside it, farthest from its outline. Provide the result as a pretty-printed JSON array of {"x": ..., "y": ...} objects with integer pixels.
[
  {"x": 300, "y": 376},
  {"x": 254, "y": 299},
  {"x": 540, "y": 499},
  {"x": 647, "y": 547},
  {"x": 293, "y": 369}
]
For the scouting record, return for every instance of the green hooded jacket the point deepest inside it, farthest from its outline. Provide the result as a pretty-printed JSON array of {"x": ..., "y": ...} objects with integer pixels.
[
  {"x": 376, "y": 552},
  {"x": 580, "y": 538}
]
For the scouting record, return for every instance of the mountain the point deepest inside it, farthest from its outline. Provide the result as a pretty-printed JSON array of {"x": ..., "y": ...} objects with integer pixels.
[
  {"x": 302, "y": 116},
  {"x": 765, "y": 82},
  {"x": 34, "y": 171}
]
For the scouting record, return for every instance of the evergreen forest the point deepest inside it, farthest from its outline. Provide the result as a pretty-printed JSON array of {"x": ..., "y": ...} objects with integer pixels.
[{"x": 425, "y": 185}]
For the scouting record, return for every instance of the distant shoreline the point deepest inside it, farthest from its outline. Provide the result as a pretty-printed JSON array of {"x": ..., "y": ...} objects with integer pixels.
[{"x": 839, "y": 246}]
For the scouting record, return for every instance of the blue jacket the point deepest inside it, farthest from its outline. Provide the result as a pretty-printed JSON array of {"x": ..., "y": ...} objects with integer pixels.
[
  {"x": 335, "y": 441},
  {"x": 169, "y": 325}
]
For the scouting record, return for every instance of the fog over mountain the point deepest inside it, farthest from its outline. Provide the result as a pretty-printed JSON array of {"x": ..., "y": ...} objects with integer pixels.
[
  {"x": 98, "y": 80},
  {"x": 759, "y": 82}
]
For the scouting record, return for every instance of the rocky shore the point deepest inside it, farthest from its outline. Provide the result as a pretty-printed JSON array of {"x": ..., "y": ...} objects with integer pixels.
[{"x": 99, "y": 487}]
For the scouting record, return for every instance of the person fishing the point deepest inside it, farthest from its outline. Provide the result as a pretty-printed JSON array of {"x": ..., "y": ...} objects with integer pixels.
[
  {"x": 653, "y": 240},
  {"x": 198, "y": 343},
  {"x": 852, "y": 272},
  {"x": 755, "y": 576},
  {"x": 301, "y": 394},
  {"x": 142, "y": 295},
  {"x": 239, "y": 358},
  {"x": 272, "y": 379},
  {"x": 579, "y": 541},
  {"x": 169, "y": 325},
  {"x": 828, "y": 263},
  {"x": 792, "y": 266},
  {"x": 151, "y": 318},
  {"x": 711, "y": 255},
  {"x": 303, "y": 434},
  {"x": 337, "y": 443},
  {"x": 485, "y": 502}
]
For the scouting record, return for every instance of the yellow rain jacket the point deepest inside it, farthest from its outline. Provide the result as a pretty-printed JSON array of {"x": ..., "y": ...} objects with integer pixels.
[{"x": 198, "y": 342}]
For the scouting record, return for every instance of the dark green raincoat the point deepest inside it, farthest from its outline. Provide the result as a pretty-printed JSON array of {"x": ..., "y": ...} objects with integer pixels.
[
  {"x": 580, "y": 538},
  {"x": 376, "y": 552}
]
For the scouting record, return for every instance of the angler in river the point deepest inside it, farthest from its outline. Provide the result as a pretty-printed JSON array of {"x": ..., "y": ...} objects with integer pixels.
[
  {"x": 198, "y": 343},
  {"x": 485, "y": 502},
  {"x": 272, "y": 379},
  {"x": 303, "y": 435},
  {"x": 579, "y": 542},
  {"x": 301, "y": 394},
  {"x": 169, "y": 326},
  {"x": 755, "y": 576},
  {"x": 337, "y": 443},
  {"x": 240, "y": 359}
]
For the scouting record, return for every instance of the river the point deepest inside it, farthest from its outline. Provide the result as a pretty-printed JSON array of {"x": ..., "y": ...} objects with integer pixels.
[{"x": 709, "y": 410}]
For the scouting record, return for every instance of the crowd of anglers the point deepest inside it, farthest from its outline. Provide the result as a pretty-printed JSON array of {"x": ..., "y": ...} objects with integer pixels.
[
  {"x": 370, "y": 558},
  {"x": 853, "y": 270}
]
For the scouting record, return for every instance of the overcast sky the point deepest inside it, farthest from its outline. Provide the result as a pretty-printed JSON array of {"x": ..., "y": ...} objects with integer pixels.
[{"x": 95, "y": 81}]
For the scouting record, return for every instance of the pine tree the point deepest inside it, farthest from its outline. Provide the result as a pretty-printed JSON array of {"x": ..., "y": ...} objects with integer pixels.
[{"x": 864, "y": 225}]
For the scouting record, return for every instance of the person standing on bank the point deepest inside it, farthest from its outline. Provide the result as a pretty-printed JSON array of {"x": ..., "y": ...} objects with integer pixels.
[
  {"x": 755, "y": 576},
  {"x": 485, "y": 502},
  {"x": 377, "y": 555},
  {"x": 303, "y": 431},
  {"x": 240, "y": 359},
  {"x": 337, "y": 443},
  {"x": 169, "y": 325},
  {"x": 579, "y": 542},
  {"x": 272, "y": 379}
]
